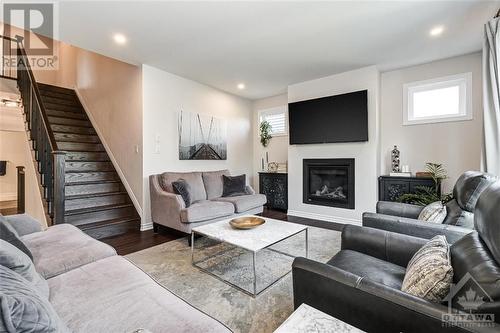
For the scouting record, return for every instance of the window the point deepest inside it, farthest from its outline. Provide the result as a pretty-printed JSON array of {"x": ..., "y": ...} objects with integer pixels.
[
  {"x": 277, "y": 118},
  {"x": 438, "y": 100}
]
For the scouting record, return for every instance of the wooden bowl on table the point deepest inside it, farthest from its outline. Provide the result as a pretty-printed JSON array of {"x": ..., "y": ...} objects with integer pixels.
[{"x": 246, "y": 222}]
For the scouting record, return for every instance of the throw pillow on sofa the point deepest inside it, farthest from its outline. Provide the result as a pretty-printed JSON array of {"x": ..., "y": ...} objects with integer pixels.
[
  {"x": 233, "y": 186},
  {"x": 429, "y": 273},
  {"x": 434, "y": 212},
  {"x": 14, "y": 259},
  {"x": 23, "y": 308},
  {"x": 182, "y": 188},
  {"x": 9, "y": 234}
]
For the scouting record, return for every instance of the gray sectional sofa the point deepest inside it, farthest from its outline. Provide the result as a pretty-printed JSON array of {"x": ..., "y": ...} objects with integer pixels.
[
  {"x": 168, "y": 209},
  {"x": 92, "y": 289}
]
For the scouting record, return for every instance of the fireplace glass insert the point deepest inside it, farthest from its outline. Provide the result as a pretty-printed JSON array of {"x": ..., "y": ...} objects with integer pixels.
[{"x": 329, "y": 182}]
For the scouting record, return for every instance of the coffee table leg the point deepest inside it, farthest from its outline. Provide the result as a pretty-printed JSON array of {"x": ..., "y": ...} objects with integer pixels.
[
  {"x": 192, "y": 246},
  {"x": 254, "y": 274},
  {"x": 307, "y": 243}
]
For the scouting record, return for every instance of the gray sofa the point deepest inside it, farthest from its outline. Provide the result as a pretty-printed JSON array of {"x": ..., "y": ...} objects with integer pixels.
[
  {"x": 92, "y": 289},
  {"x": 459, "y": 221},
  {"x": 168, "y": 209}
]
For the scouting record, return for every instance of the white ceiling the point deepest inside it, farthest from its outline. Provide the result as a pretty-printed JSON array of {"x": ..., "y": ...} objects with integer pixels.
[{"x": 269, "y": 45}]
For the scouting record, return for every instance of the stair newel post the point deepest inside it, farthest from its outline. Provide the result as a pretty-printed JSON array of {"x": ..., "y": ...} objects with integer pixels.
[{"x": 59, "y": 184}]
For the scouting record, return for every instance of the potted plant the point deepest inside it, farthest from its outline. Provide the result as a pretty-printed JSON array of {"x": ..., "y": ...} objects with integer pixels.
[
  {"x": 265, "y": 132},
  {"x": 425, "y": 195}
]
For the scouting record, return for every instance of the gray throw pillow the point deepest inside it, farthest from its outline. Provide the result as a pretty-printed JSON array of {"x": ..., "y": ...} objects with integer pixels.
[
  {"x": 233, "y": 186},
  {"x": 429, "y": 273},
  {"x": 182, "y": 188},
  {"x": 14, "y": 259},
  {"x": 434, "y": 212},
  {"x": 9, "y": 234},
  {"x": 23, "y": 308}
]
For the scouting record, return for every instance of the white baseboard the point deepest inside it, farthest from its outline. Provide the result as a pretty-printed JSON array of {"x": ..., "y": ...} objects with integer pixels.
[
  {"x": 146, "y": 226},
  {"x": 329, "y": 218},
  {"x": 111, "y": 156},
  {"x": 8, "y": 196}
]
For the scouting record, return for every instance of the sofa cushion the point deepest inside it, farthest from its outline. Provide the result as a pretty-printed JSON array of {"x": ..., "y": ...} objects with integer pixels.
[
  {"x": 9, "y": 234},
  {"x": 233, "y": 186},
  {"x": 242, "y": 203},
  {"x": 369, "y": 267},
  {"x": 206, "y": 210},
  {"x": 213, "y": 183},
  {"x": 23, "y": 309},
  {"x": 457, "y": 216},
  {"x": 16, "y": 260},
  {"x": 192, "y": 178},
  {"x": 182, "y": 188},
  {"x": 64, "y": 247},
  {"x": 429, "y": 273},
  {"x": 113, "y": 295}
]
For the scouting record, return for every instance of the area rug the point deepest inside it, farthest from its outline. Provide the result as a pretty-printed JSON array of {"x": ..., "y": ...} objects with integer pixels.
[{"x": 170, "y": 264}]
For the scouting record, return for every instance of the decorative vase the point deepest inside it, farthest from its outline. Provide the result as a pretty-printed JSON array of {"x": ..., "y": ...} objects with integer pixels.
[{"x": 395, "y": 159}]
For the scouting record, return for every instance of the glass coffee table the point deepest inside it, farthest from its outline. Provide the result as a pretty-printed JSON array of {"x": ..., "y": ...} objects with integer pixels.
[{"x": 250, "y": 260}]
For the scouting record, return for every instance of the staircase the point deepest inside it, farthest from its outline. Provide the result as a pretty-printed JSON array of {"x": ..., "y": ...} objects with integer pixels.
[
  {"x": 95, "y": 198},
  {"x": 79, "y": 183}
]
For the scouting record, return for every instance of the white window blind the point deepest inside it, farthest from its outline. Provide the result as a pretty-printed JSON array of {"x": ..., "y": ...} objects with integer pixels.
[
  {"x": 277, "y": 118},
  {"x": 438, "y": 100}
]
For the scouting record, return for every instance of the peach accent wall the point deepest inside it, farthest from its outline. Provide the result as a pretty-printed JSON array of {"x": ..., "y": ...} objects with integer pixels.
[{"x": 111, "y": 91}]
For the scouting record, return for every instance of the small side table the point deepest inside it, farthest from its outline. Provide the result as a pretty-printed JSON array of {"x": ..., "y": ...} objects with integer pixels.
[{"x": 307, "y": 319}]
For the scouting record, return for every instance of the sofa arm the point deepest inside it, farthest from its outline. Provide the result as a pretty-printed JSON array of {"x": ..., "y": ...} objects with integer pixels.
[
  {"x": 249, "y": 190},
  {"x": 399, "y": 209},
  {"x": 414, "y": 227},
  {"x": 388, "y": 246},
  {"x": 23, "y": 224},
  {"x": 365, "y": 304},
  {"x": 165, "y": 206}
]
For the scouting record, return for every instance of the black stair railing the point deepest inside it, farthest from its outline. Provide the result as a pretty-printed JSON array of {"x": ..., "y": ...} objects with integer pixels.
[{"x": 50, "y": 160}]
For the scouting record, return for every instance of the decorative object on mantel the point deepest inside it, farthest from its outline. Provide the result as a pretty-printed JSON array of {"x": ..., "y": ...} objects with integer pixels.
[
  {"x": 246, "y": 222},
  {"x": 423, "y": 174},
  {"x": 395, "y": 153},
  {"x": 265, "y": 133},
  {"x": 201, "y": 137},
  {"x": 272, "y": 167},
  {"x": 425, "y": 195}
]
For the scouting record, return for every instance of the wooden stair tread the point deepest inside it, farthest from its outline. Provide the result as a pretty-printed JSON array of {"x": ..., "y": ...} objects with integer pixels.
[
  {"x": 96, "y": 209},
  {"x": 94, "y": 195},
  {"x": 90, "y": 182},
  {"x": 109, "y": 222}
]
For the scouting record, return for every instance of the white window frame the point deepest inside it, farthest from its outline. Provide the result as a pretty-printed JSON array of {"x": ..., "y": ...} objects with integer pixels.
[
  {"x": 275, "y": 110},
  {"x": 464, "y": 81}
]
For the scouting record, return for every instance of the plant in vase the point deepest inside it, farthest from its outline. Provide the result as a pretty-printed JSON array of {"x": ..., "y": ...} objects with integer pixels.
[
  {"x": 265, "y": 133},
  {"x": 425, "y": 195}
]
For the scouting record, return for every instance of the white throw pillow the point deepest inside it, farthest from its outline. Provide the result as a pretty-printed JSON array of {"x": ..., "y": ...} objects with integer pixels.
[
  {"x": 429, "y": 273},
  {"x": 434, "y": 212}
]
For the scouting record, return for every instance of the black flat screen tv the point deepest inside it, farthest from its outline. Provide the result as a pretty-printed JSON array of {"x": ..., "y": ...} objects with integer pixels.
[{"x": 339, "y": 118}]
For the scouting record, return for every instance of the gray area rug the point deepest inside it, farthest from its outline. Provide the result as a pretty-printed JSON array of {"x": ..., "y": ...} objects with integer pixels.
[{"x": 170, "y": 264}]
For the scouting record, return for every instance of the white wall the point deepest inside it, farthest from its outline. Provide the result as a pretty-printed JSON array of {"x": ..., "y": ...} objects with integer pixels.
[
  {"x": 278, "y": 146},
  {"x": 366, "y": 154},
  {"x": 455, "y": 144},
  {"x": 164, "y": 95}
]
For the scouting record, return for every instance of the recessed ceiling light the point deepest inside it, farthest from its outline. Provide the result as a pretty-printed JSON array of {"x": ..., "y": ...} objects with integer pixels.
[
  {"x": 120, "y": 39},
  {"x": 241, "y": 86},
  {"x": 436, "y": 31}
]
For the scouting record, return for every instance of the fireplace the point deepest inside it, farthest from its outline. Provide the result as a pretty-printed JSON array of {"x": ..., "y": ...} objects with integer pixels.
[{"x": 329, "y": 182}]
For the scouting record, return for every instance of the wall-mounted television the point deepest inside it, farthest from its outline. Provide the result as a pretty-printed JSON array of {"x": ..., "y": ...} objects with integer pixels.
[{"x": 339, "y": 118}]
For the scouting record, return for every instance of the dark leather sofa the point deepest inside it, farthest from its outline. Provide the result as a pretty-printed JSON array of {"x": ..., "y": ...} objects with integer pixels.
[
  {"x": 361, "y": 284},
  {"x": 402, "y": 218}
]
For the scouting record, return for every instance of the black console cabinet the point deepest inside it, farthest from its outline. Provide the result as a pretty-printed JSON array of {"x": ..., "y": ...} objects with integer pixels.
[
  {"x": 275, "y": 186},
  {"x": 391, "y": 188}
]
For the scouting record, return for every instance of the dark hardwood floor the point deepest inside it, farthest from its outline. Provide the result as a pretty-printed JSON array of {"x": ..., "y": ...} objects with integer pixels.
[{"x": 136, "y": 240}]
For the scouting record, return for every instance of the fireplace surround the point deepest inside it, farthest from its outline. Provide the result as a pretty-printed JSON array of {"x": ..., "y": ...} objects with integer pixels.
[{"x": 329, "y": 182}]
